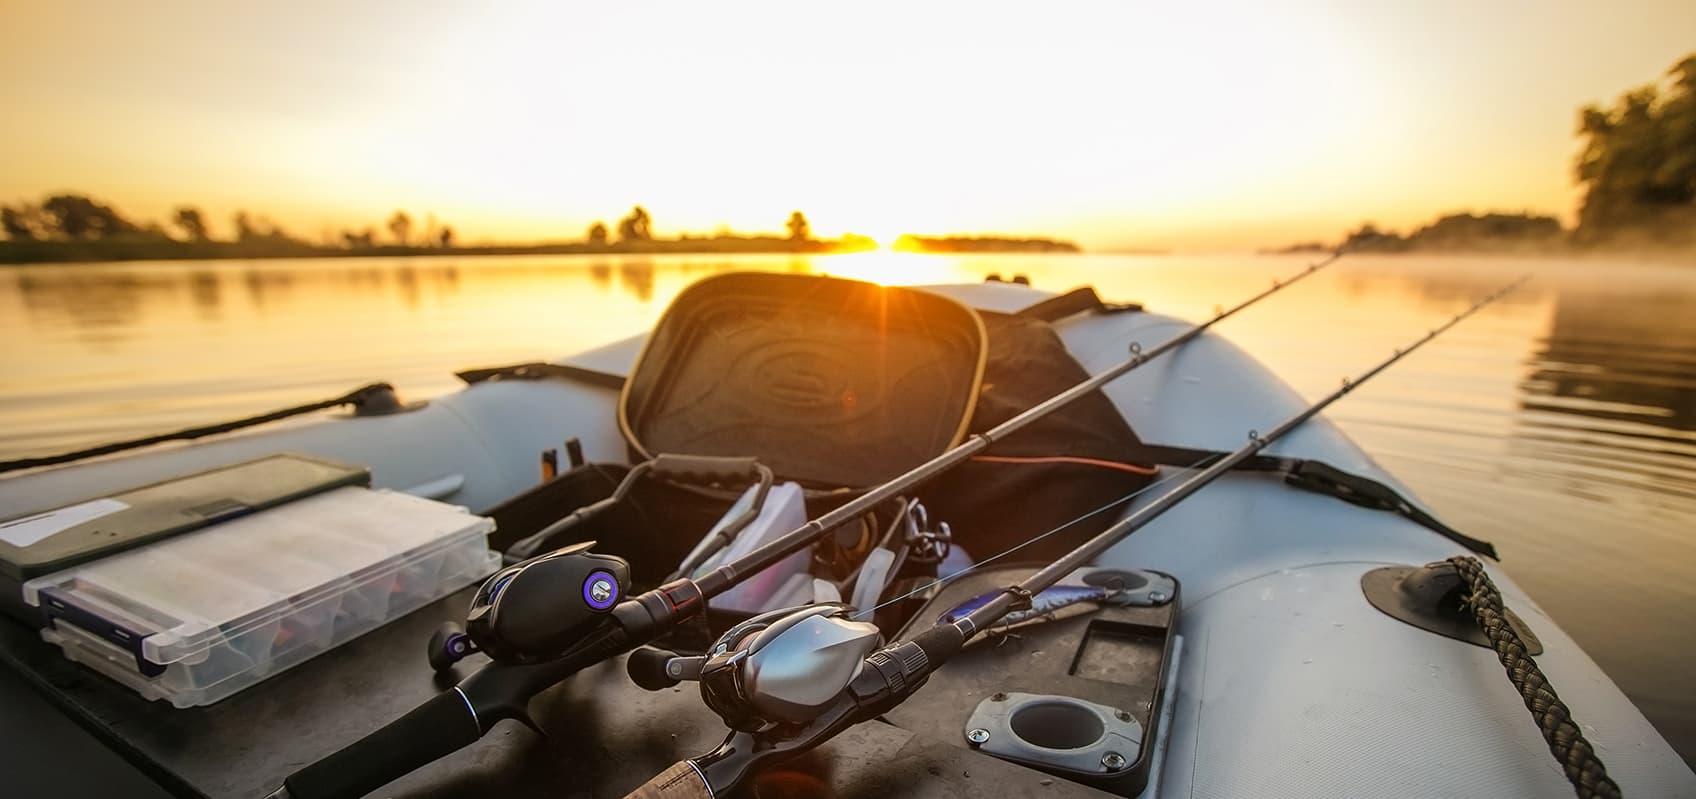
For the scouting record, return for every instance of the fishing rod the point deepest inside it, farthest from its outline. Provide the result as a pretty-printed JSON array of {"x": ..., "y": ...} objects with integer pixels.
[
  {"x": 583, "y": 621},
  {"x": 789, "y": 680}
]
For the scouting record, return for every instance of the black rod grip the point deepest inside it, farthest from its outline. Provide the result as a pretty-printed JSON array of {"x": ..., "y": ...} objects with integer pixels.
[
  {"x": 705, "y": 468},
  {"x": 432, "y": 730},
  {"x": 939, "y": 643}
]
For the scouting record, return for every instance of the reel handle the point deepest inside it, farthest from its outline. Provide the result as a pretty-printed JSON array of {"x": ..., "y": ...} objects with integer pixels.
[
  {"x": 448, "y": 645},
  {"x": 647, "y": 668},
  {"x": 681, "y": 781}
]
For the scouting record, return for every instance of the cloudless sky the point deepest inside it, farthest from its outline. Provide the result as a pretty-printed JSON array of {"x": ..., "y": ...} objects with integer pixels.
[{"x": 1116, "y": 124}]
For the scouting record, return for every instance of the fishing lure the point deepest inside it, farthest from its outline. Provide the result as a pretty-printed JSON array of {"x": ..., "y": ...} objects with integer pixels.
[{"x": 1046, "y": 602}]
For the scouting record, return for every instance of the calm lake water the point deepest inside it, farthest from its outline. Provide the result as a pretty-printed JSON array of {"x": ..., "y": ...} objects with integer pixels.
[{"x": 1559, "y": 423}]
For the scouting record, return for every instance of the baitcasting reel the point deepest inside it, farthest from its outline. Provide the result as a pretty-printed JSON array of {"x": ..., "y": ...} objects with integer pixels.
[
  {"x": 535, "y": 610},
  {"x": 780, "y": 667}
]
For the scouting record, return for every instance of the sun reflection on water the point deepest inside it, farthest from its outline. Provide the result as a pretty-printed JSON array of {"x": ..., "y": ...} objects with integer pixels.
[{"x": 890, "y": 268}]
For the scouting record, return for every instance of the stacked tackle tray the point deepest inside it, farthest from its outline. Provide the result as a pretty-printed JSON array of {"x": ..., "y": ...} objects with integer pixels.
[{"x": 197, "y": 617}]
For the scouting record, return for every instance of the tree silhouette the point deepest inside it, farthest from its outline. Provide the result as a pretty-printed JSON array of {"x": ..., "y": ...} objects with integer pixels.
[
  {"x": 193, "y": 225},
  {"x": 447, "y": 237},
  {"x": 244, "y": 227},
  {"x": 260, "y": 229},
  {"x": 21, "y": 223},
  {"x": 1369, "y": 237},
  {"x": 401, "y": 226},
  {"x": 363, "y": 240},
  {"x": 799, "y": 230},
  {"x": 1638, "y": 166},
  {"x": 636, "y": 226},
  {"x": 78, "y": 217},
  {"x": 598, "y": 234}
]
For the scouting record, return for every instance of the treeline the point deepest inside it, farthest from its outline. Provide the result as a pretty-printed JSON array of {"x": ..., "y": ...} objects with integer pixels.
[
  {"x": 1493, "y": 232},
  {"x": 635, "y": 235},
  {"x": 1637, "y": 170},
  {"x": 75, "y": 228},
  {"x": 1638, "y": 166},
  {"x": 949, "y": 244}
]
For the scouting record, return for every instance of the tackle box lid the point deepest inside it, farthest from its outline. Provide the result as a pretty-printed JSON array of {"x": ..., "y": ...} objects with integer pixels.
[
  {"x": 175, "y": 598},
  {"x": 57, "y": 539}
]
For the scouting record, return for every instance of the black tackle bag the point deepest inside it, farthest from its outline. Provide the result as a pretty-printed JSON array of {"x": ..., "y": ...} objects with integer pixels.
[
  {"x": 1074, "y": 461},
  {"x": 841, "y": 385}
]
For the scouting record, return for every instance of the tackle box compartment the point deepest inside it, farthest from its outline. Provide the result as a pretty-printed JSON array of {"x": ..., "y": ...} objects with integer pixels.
[{"x": 200, "y": 616}]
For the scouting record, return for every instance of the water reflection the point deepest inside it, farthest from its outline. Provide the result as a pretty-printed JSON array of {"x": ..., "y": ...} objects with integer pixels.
[
  {"x": 89, "y": 334},
  {"x": 406, "y": 280},
  {"x": 98, "y": 306},
  {"x": 266, "y": 287},
  {"x": 1608, "y": 406},
  {"x": 1616, "y": 357},
  {"x": 1619, "y": 354},
  {"x": 638, "y": 276},
  {"x": 203, "y": 286}
]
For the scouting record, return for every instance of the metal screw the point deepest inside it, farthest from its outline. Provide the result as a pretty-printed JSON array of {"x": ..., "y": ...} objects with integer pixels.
[
  {"x": 979, "y": 735},
  {"x": 1157, "y": 596},
  {"x": 1113, "y": 761},
  {"x": 998, "y": 697},
  {"x": 1122, "y": 715}
]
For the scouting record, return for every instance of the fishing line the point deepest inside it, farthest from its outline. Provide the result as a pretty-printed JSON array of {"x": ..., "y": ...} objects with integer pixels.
[
  {"x": 1348, "y": 386},
  {"x": 865, "y": 614}
]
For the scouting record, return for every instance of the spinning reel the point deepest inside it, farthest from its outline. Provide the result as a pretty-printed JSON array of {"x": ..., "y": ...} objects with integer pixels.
[
  {"x": 787, "y": 680},
  {"x": 535, "y": 610},
  {"x": 782, "y": 667}
]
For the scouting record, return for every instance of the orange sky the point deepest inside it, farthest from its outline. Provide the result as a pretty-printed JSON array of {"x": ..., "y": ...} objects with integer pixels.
[{"x": 1117, "y": 124}]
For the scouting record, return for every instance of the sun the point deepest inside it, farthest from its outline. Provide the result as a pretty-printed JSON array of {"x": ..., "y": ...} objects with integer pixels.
[
  {"x": 877, "y": 228},
  {"x": 885, "y": 236}
]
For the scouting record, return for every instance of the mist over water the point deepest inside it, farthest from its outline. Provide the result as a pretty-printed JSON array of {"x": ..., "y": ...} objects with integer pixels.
[{"x": 1559, "y": 423}]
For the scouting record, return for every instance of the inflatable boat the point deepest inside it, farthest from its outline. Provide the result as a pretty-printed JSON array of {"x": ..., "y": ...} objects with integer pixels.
[{"x": 1301, "y": 647}]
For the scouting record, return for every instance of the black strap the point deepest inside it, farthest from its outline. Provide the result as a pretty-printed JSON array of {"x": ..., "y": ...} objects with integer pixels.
[
  {"x": 1076, "y": 301},
  {"x": 537, "y": 370},
  {"x": 371, "y": 400},
  {"x": 1323, "y": 478}
]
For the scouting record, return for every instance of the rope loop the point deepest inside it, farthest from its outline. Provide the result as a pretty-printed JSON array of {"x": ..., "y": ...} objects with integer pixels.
[{"x": 1566, "y": 741}]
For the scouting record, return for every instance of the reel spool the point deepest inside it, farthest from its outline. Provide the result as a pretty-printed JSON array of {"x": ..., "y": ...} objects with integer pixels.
[{"x": 780, "y": 667}]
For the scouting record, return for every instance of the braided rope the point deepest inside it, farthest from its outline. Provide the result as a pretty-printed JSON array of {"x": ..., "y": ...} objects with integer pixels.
[{"x": 1566, "y": 742}]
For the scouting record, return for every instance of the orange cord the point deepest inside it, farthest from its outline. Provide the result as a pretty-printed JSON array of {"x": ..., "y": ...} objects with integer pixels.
[{"x": 1123, "y": 467}]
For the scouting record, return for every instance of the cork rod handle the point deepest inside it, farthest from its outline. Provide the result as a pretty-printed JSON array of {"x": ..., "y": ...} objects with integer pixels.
[{"x": 681, "y": 781}]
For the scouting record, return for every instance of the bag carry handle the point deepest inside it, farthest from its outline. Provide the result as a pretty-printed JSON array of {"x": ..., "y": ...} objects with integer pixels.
[
  {"x": 1077, "y": 300},
  {"x": 705, "y": 468}
]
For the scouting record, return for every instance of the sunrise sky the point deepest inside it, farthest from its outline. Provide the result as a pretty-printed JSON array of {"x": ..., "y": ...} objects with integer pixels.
[{"x": 1118, "y": 124}]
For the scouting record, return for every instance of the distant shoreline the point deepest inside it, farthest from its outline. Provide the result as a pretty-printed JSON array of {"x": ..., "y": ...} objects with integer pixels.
[
  {"x": 110, "y": 250},
  {"x": 1653, "y": 254},
  {"x": 107, "y": 251},
  {"x": 1498, "y": 233}
]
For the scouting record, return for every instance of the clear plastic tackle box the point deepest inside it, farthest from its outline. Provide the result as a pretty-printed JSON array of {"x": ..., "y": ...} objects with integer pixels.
[{"x": 198, "y": 617}]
